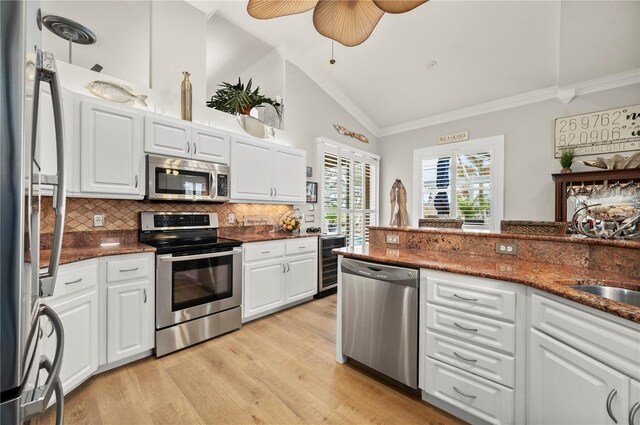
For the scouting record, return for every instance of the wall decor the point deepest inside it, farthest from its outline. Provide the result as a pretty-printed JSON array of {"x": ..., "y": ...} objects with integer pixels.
[
  {"x": 340, "y": 129},
  {"x": 312, "y": 192},
  {"x": 309, "y": 171},
  {"x": 115, "y": 92},
  {"x": 616, "y": 162},
  {"x": 309, "y": 218},
  {"x": 186, "y": 100},
  {"x": 455, "y": 137},
  {"x": 613, "y": 130}
]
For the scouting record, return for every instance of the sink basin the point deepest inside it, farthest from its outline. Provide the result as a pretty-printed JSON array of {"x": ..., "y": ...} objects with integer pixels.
[{"x": 627, "y": 296}]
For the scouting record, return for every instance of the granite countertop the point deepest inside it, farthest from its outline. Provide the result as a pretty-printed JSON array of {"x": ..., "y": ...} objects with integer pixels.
[
  {"x": 551, "y": 278},
  {"x": 268, "y": 236}
]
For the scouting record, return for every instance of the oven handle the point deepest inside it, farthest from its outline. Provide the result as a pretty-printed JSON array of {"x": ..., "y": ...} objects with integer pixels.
[{"x": 171, "y": 259}]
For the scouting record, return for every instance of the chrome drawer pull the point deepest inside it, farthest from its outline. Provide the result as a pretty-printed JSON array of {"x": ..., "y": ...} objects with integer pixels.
[
  {"x": 264, "y": 252},
  {"x": 632, "y": 413},
  {"x": 463, "y": 328},
  {"x": 463, "y": 394},
  {"x": 73, "y": 281},
  {"x": 465, "y": 299},
  {"x": 144, "y": 292},
  {"x": 464, "y": 359},
  {"x": 129, "y": 270},
  {"x": 610, "y": 397}
]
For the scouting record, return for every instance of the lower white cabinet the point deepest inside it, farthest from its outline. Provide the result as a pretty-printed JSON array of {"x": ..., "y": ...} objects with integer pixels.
[
  {"x": 129, "y": 320},
  {"x": 274, "y": 279}
]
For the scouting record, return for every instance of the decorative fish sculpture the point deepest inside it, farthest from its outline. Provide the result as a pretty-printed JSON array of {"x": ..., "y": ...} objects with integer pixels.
[
  {"x": 115, "y": 92},
  {"x": 340, "y": 129}
]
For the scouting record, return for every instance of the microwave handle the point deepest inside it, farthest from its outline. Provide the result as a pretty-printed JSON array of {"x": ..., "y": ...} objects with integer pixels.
[
  {"x": 213, "y": 186},
  {"x": 171, "y": 259}
]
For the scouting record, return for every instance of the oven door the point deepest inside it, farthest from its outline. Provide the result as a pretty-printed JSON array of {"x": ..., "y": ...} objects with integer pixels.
[
  {"x": 179, "y": 180},
  {"x": 195, "y": 285}
]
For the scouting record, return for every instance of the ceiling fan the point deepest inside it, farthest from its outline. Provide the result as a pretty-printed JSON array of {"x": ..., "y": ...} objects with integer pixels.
[{"x": 349, "y": 22}]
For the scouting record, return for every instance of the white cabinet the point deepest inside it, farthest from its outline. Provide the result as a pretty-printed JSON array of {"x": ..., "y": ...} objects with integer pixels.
[
  {"x": 568, "y": 387},
  {"x": 176, "y": 138},
  {"x": 274, "y": 280},
  {"x": 111, "y": 149},
  {"x": 128, "y": 320},
  {"x": 265, "y": 172}
]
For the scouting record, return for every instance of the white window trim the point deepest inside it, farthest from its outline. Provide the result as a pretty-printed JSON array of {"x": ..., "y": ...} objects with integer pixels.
[
  {"x": 494, "y": 145},
  {"x": 327, "y": 145}
]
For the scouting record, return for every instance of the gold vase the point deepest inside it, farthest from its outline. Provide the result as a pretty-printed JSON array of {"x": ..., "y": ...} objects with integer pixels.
[{"x": 186, "y": 100}]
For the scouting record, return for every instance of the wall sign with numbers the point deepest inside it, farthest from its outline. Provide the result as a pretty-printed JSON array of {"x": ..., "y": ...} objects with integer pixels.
[{"x": 614, "y": 130}]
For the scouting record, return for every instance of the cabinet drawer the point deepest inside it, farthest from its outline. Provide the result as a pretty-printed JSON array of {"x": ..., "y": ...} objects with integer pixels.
[
  {"x": 484, "y": 399},
  {"x": 474, "y": 295},
  {"x": 469, "y": 327},
  {"x": 263, "y": 251},
  {"x": 303, "y": 245},
  {"x": 120, "y": 270},
  {"x": 612, "y": 343},
  {"x": 489, "y": 364},
  {"x": 76, "y": 277}
]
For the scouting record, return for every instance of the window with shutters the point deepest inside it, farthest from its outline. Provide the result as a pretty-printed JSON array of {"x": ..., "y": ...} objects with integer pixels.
[
  {"x": 462, "y": 180},
  {"x": 348, "y": 191}
]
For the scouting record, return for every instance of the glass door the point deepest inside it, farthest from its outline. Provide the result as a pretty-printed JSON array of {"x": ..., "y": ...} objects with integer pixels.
[{"x": 201, "y": 281}]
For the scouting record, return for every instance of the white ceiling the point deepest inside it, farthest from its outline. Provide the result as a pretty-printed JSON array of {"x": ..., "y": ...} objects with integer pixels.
[{"x": 485, "y": 50}]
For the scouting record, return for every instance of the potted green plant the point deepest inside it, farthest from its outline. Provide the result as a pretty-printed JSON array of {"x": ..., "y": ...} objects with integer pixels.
[
  {"x": 238, "y": 99},
  {"x": 566, "y": 159}
]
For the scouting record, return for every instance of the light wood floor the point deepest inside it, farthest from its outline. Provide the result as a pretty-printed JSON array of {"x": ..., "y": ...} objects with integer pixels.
[{"x": 277, "y": 370}]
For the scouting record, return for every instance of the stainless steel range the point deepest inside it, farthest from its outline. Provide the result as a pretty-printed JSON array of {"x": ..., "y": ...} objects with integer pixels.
[{"x": 198, "y": 278}]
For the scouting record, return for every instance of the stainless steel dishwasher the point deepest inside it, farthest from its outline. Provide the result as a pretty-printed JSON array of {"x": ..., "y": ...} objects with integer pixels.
[{"x": 380, "y": 318}]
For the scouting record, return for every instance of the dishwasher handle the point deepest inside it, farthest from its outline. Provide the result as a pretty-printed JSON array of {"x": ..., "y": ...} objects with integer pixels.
[{"x": 382, "y": 272}]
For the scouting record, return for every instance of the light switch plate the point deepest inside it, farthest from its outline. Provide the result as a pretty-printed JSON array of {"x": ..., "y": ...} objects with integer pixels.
[
  {"x": 393, "y": 238},
  {"x": 507, "y": 248},
  {"x": 98, "y": 220}
]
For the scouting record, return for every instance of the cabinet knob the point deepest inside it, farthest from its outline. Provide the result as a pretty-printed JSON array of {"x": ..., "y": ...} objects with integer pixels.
[
  {"x": 144, "y": 292},
  {"x": 136, "y": 181},
  {"x": 188, "y": 147},
  {"x": 610, "y": 397},
  {"x": 633, "y": 412},
  {"x": 195, "y": 149}
]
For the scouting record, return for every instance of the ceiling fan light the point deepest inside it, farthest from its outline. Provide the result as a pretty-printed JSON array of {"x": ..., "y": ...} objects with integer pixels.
[
  {"x": 348, "y": 22},
  {"x": 398, "y": 6},
  {"x": 267, "y": 9}
]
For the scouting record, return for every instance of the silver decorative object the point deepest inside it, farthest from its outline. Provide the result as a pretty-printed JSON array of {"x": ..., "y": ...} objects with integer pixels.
[
  {"x": 115, "y": 92},
  {"x": 186, "y": 100},
  {"x": 255, "y": 127},
  {"x": 616, "y": 162},
  {"x": 69, "y": 30}
]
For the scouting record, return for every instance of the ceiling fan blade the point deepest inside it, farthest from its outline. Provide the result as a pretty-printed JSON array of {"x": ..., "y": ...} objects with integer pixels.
[
  {"x": 398, "y": 6},
  {"x": 267, "y": 9},
  {"x": 348, "y": 22}
]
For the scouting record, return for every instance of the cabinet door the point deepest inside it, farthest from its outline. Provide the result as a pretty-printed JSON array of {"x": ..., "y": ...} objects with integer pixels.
[
  {"x": 210, "y": 145},
  {"x": 111, "y": 150},
  {"x": 79, "y": 316},
  {"x": 251, "y": 170},
  {"x": 263, "y": 287},
  {"x": 568, "y": 387},
  {"x": 289, "y": 171},
  {"x": 302, "y": 278},
  {"x": 167, "y": 137},
  {"x": 128, "y": 320}
]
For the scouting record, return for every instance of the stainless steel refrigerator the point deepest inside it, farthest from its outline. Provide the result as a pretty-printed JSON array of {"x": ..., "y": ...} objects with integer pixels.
[{"x": 27, "y": 379}]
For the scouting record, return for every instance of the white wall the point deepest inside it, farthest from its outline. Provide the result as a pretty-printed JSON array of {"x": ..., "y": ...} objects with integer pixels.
[{"x": 529, "y": 155}]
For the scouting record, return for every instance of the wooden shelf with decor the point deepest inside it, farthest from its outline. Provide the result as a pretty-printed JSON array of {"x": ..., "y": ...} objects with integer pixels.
[{"x": 566, "y": 180}]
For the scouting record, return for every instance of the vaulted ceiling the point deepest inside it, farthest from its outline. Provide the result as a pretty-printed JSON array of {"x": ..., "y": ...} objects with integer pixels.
[{"x": 486, "y": 51}]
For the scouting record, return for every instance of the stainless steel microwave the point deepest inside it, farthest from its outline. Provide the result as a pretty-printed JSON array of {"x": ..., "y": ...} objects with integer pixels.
[{"x": 175, "y": 179}]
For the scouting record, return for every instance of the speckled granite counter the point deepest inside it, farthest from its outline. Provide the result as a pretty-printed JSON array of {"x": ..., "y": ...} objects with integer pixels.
[
  {"x": 262, "y": 233},
  {"x": 78, "y": 246},
  {"x": 552, "y": 278}
]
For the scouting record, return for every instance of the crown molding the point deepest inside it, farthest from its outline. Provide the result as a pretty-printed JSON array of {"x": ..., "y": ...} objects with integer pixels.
[
  {"x": 270, "y": 57},
  {"x": 564, "y": 94}
]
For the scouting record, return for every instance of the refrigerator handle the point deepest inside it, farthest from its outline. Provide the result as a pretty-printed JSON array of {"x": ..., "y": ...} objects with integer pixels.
[
  {"x": 38, "y": 398},
  {"x": 46, "y": 72}
]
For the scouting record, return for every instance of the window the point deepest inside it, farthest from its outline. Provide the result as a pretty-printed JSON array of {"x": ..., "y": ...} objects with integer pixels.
[
  {"x": 462, "y": 180},
  {"x": 348, "y": 191}
]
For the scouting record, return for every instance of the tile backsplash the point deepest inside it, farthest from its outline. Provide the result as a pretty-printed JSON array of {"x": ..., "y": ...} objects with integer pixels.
[{"x": 125, "y": 214}]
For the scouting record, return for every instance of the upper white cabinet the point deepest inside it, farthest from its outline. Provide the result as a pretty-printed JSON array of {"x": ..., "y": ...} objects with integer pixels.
[
  {"x": 171, "y": 137},
  {"x": 264, "y": 172},
  {"x": 111, "y": 149}
]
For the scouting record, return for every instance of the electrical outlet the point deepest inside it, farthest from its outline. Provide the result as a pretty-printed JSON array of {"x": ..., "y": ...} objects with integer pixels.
[
  {"x": 98, "y": 220},
  {"x": 507, "y": 248},
  {"x": 231, "y": 218},
  {"x": 393, "y": 238}
]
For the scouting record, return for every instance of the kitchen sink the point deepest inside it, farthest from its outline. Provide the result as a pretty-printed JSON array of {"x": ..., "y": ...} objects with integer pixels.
[{"x": 627, "y": 296}]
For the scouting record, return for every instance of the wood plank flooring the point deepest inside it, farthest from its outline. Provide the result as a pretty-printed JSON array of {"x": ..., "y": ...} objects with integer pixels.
[{"x": 277, "y": 370}]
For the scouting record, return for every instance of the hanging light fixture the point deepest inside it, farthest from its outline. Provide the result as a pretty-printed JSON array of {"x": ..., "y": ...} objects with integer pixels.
[{"x": 349, "y": 22}]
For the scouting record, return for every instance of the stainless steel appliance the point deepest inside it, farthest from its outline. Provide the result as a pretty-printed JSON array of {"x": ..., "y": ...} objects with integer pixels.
[
  {"x": 175, "y": 179},
  {"x": 24, "y": 66},
  {"x": 328, "y": 264},
  {"x": 198, "y": 278},
  {"x": 380, "y": 318}
]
